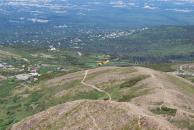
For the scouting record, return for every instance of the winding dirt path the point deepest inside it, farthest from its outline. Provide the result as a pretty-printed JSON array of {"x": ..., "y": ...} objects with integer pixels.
[{"x": 93, "y": 86}]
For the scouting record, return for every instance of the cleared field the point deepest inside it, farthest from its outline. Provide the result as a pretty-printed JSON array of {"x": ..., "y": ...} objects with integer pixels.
[
  {"x": 2, "y": 77},
  {"x": 6, "y": 54}
]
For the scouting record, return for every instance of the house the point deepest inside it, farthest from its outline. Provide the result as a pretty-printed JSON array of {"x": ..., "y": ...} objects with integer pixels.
[
  {"x": 29, "y": 76},
  {"x": 23, "y": 77},
  {"x": 102, "y": 62},
  {"x": 52, "y": 48},
  {"x": 34, "y": 70},
  {"x": 34, "y": 74}
]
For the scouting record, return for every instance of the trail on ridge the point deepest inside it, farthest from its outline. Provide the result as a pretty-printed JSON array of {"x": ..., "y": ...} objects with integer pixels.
[{"x": 94, "y": 87}]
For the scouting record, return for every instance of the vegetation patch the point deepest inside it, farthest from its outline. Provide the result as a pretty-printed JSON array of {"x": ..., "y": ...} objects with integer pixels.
[
  {"x": 184, "y": 123},
  {"x": 131, "y": 82},
  {"x": 183, "y": 85},
  {"x": 165, "y": 67},
  {"x": 132, "y": 93},
  {"x": 6, "y": 86},
  {"x": 94, "y": 95},
  {"x": 164, "y": 111}
]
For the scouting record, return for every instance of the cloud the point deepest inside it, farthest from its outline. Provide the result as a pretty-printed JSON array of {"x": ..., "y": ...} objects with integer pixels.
[
  {"x": 149, "y": 7},
  {"x": 34, "y": 20},
  {"x": 119, "y": 4},
  {"x": 180, "y": 10}
]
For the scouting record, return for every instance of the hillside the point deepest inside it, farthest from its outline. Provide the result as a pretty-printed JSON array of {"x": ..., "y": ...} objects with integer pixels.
[
  {"x": 141, "y": 98},
  {"x": 156, "y": 44},
  {"x": 149, "y": 45},
  {"x": 96, "y": 65},
  {"x": 87, "y": 114}
]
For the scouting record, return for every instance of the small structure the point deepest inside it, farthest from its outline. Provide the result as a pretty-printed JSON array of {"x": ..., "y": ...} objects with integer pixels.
[
  {"x": 23, "y": 77},
  {"x": 34, "y": 74},
  {"x": 52, "y": 48},
  {"x": 34, "y": 70},
  {"x": 102, "y": 62},
  {"x": 79, "y": 53},
  {"x": 2, "y": 66},
  {"x": 30, "y": 76}
]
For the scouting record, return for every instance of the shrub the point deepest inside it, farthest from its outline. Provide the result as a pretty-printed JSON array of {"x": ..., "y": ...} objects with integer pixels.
[
  {"x": 164, "y": 111},
  {"x": 133, "y": 81}
]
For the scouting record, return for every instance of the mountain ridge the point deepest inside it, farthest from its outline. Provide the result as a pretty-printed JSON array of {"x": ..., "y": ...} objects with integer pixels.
[{"x": 153, "y": 100}]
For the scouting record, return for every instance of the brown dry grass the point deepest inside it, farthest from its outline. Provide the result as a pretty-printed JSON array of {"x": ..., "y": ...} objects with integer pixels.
[
  {"x": 164, "y": 90},
  {"x": 93, "y": 115}
]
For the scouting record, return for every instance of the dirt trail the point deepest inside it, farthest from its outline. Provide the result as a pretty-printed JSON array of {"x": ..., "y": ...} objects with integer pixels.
[
  {"x": 93, "y": 86},
  {"x": 166, "y": 87},
  {"x": 106, "y": 114}
]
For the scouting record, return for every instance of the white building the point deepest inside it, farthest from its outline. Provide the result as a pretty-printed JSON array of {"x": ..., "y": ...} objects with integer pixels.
[
  {"x": 34, "y": 74},
  {"x": 23, "y": 77},
  {"x": 52, "y": 48}
]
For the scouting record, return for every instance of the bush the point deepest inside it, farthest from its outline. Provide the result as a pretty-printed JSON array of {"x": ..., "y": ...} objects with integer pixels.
[
  {"x": 164, "y": 111},
  {"x": 133, "y": 81}
]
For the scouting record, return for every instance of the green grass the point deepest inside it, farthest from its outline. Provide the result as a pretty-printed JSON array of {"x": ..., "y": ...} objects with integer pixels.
[
  {"x": 115, "y": 92},
  {"x": 164, "y": 111},
  {"x": 94, "y": 95},
  {"x": 165, "y": 67},
  {"x": 131, "y": 82},
  {"x": 16, "y": 108},
  {"x": 182, "y": 85},
  {"x": 133, "y": 93},
  {"x": 190, "y": 78},
  {"x": 7, "y": 85},
  {"x": 184, "y": 123},
  {"x": 126, "y": 91}
]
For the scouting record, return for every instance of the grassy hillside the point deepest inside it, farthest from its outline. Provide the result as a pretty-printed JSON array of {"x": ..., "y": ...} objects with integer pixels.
[
  {"x": 163, "y": 96},
  {"x": 158, "y": 93}
]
